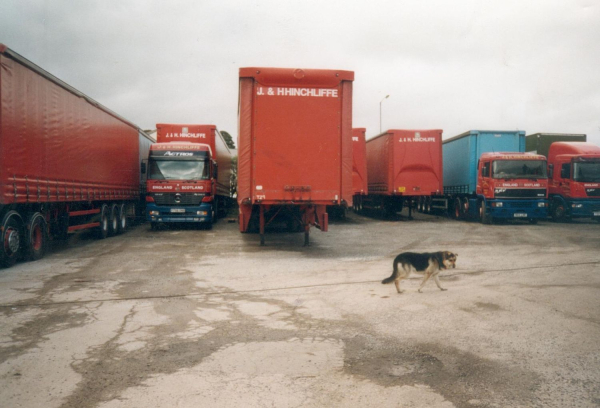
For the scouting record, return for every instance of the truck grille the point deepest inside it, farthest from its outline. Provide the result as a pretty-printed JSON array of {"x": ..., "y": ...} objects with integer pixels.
[
  {"x": 520, "y": 204},
  {"x": 520, "y": 193},
  {"x": 178, "y": 199},
  {"x": 593, "y": 192}
]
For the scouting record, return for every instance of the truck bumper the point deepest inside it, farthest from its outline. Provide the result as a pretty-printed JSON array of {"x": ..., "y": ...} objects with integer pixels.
[
  {"x": 584, "y": 208},
  {"x": 201, "y": 213},
  {"x": 515, "y": 209}
]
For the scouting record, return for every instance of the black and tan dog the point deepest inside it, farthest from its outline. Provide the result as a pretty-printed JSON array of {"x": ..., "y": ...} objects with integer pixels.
[{"x": 431, "y": 263}]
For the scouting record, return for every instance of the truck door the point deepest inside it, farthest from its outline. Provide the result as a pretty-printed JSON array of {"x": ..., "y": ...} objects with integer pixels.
[
  {"x": 484, "y": 184},
  {"x": 565, "y": 178}
]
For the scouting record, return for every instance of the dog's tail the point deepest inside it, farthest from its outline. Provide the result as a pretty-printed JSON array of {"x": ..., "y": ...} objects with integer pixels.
[{"x": 394, "y": 274}]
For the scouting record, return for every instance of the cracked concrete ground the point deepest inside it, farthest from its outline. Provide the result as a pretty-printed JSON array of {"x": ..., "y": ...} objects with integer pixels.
[{"x": 187, "y": 318}]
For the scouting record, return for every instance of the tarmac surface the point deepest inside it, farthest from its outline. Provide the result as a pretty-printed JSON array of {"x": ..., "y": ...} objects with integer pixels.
[{"x": 189, "y": 318}]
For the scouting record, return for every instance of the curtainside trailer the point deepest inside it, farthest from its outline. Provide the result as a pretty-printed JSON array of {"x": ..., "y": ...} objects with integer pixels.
[
  {"x": 403, "y": 167},
  {"x": 487, "y": 176},
  {"x": 67, "y": 163},
  {"x": 189, "y": 175},
  {"x": 539, "y": 143},
  {"x": 294, "y": 147}
]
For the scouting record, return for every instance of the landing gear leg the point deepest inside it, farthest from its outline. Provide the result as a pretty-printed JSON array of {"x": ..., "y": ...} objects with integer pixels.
[{"x": 262, "y": 225}]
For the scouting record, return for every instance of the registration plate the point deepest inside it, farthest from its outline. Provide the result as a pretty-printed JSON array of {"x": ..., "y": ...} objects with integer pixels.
[
  {"x": 177, "y": 210},
  {"x": 520, "y": 215}
]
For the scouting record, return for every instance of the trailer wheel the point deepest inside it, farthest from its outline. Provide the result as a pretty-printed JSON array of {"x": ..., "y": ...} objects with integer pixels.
[
  {"x": 457, "y": 207},
  {"x": 122, "y": 218},
  {"x": 103, "y": 228},
  {"x": 37, "y": 237},
  {"x": 113, "y": 224},
  {"x": 11, "y": 239}
]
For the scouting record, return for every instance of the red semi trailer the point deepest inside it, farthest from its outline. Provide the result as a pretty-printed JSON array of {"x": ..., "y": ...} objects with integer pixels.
[
  {"x": 403, "y": 165},
  {"x": 294, "y": 146},
  {"x": 359, "y": 168},
  {"x": 66, "y": 162}
]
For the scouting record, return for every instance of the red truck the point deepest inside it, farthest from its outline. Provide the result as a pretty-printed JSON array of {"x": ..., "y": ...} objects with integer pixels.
[
  {"x": 359, "y": 168},
  {"x": 189, "y": 175},
  {"x": 403, "y": 166},
  {"x": 294, "y": 146},
  {"x": 574, "y": 174},
  {"x": 67, "y": 162}
]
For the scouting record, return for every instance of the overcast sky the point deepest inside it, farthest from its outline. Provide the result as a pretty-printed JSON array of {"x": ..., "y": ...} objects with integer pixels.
[{"x": 531, "y": 65}]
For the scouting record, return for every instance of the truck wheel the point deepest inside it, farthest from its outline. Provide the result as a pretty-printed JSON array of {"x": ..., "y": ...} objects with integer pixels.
[
  {"x": 457, "y": 212},
  {"x": 103, "y": 228},
  {"x": 483, "y": 216},
  {"x": 113, "y": 225},
  {"x": 215, "y": 211},
  {"x": 122, "y": 218},
  {"x": 37, "y": 237},
  {"x": 558, "y": 212},
  {"x": 11, "y": 239}
]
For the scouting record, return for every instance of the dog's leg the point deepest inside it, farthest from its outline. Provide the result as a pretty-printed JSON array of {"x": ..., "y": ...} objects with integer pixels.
[
  {"x": 437, "y": 282},
  {"x": 397, "y": 283},
  {"x": 427, "y": 276}
]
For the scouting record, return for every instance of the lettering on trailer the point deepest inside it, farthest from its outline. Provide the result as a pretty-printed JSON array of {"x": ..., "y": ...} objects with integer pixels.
[
  {"x": 594, "y": 185},
  {"x": 306, "y": 92},
  {"x": 355, "y": 138},
  {"x": 185, "y": 134},
  {"x": 417, "y": 138},
  {"x": 192, "y": 187},
  {"x": 162, "y": 187}
]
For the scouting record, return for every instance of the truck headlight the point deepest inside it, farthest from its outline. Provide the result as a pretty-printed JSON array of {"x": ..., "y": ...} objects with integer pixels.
[
  {"x": 201, "y": 212},
  {"x": 498, "y": 204},
  {"x": 576, "y": 205},
  {"x": 154, "y": 212},
  {"x": 541, "y": 205}
]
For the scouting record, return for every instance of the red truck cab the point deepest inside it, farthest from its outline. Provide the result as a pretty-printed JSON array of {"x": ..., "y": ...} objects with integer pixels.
[
  {"x": 182, "y": 182},
  {"x": 574, "y": 188},
  {"x": 512, "y": 185}
]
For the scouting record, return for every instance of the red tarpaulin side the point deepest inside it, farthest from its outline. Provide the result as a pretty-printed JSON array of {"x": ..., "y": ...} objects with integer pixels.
[
  {"x": 244, "y": 144},
  {"x": 57, "y": 146},
  {"x": 359, "y": 161},
  {"x": 346, "y": 160}
]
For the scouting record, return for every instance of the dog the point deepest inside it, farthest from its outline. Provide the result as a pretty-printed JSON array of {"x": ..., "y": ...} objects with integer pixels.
[{"x": 430, "y": 262}]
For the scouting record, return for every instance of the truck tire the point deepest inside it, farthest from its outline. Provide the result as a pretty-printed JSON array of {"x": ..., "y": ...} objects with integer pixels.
[
  {"x": 11, "y": 239},
  {"x": 559, "y": 211},
  {"x": 113, "y": 226},
  {"x": 103, "y": 228},
  {"x": 457, "y": 207},
  {"x": 122, "y": 218},
  {"x": 483, "y": 215},
  {"x": 37, "y": 237}
]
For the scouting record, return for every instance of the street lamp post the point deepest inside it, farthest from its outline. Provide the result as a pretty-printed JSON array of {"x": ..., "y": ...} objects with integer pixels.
[{"x": 387, "y": 96}]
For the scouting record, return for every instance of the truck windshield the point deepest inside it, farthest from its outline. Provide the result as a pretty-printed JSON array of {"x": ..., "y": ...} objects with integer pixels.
[
  {"x": 587, "y": 172},
  {"x": 521, "y": 169},
  {"x": 178, "y": 170}
]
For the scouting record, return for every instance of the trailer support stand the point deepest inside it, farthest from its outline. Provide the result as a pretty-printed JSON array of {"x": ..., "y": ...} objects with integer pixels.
[
  {"x": 262, "y": 224},
  {"x": 306, "y": 234}
]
